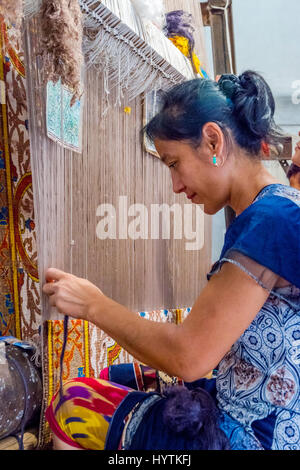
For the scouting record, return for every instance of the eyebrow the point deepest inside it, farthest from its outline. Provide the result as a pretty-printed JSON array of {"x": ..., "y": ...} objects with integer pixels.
[{"x": 165, "y": 157}]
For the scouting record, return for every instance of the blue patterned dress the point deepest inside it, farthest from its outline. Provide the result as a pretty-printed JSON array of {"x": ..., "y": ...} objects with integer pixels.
[{"x": 258, "y": 380}]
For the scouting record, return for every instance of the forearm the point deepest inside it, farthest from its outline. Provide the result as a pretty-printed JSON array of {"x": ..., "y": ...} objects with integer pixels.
[{"x": 155, "y": 344}]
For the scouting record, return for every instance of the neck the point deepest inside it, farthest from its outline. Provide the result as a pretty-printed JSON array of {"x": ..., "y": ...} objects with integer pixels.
[{"x": 244, "y": 190}]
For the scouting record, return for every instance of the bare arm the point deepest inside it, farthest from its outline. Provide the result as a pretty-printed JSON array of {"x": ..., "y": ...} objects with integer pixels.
[{"x": 222, "y": 312}]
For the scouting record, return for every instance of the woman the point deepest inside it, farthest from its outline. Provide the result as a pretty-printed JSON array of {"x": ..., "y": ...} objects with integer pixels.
[
  {"x": 293, "y": 174},
  {"x": 296, "y": 156},
  {"x": 246, "y": 320}
]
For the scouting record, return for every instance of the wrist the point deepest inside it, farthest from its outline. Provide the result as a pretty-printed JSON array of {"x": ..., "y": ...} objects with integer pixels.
[{"x": 95, "y": 308}]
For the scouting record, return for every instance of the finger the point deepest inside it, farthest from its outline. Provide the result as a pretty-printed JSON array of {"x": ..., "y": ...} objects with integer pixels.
[
  {"x": 49, "y": 288},
  {"x": 52, "y": 300},
  {"x": 53, "y": 274}
]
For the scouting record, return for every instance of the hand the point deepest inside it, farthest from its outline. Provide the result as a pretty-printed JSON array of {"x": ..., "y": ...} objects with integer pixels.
[
  {"x": 296, "y": 156},
  {"x": 71, "y": 295}
]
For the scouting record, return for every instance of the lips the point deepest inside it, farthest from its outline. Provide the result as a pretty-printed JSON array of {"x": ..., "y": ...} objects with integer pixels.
[{"x": 191, "y": 196}]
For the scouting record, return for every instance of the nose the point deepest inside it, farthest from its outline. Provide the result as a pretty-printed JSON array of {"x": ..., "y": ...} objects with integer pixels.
[{"x": 178, "y": 186}]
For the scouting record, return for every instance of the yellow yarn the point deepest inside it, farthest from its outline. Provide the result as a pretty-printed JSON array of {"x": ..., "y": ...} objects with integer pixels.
[{"x": 182, "y": 44}]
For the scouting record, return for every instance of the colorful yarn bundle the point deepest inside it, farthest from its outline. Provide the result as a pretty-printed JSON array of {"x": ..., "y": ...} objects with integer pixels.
[{"x": 179, "y": 30}]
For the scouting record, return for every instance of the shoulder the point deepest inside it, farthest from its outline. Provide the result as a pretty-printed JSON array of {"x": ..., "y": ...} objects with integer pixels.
[
  {"x": 268, "y": 232},
  {"x": 277, "y": 195},
  {"x": 276, "y": 205}
]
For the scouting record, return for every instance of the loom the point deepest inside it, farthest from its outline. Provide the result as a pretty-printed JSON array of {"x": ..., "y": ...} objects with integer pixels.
[
  {"x": 53, "y": 180},
  {"x": 56, "y": 183}
]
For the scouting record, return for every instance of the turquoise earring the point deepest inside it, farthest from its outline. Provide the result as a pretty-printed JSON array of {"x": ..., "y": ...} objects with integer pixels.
[{"x": 215, "y": 160}]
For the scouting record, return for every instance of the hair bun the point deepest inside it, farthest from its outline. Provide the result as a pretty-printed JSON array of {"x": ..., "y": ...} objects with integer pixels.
[
  {"x": 253, "y": 102},
  {"x": 228, "y": 84}
]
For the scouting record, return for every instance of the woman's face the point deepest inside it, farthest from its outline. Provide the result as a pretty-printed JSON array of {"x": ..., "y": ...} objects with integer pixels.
[{"x": 193, "y": 173}]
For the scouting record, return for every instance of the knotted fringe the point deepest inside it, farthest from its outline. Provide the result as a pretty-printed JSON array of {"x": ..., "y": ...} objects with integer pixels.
[{"x": 127, "y": 60}]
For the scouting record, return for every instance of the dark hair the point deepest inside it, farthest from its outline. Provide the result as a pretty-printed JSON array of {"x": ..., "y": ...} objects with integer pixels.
[
  {"x": 194, "y": 415},
  {"x": 243, "y": 104},
  {"x": 293, "y": 170}
]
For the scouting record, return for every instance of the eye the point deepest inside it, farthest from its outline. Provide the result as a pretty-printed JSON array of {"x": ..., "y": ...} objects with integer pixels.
[{"x": 172, "y": 165}]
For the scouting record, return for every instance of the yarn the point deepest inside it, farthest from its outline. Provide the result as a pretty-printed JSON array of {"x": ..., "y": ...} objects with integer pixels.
[
  {"x": 61, "y": 43},
  {"x": 152, "y": 10},
  {"x": 180, "y": 30},
  {"x": 179, "y": 23}
]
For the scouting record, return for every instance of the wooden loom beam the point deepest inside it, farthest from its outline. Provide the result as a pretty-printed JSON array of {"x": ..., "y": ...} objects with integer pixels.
[
  {"x": 136, "y": 43},
  {"x": 217, "y": 22}
]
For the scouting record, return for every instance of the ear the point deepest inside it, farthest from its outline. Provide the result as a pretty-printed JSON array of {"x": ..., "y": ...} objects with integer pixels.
[{"x": 213, "y": 138}]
